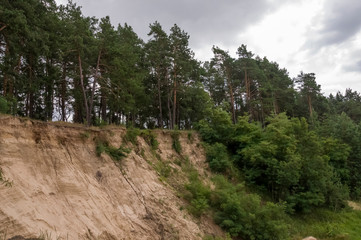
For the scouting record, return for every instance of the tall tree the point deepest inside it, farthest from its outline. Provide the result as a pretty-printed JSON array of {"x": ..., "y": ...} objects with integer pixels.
[
  {"x": 224, "y": 67},
  {"x": 309, "y": 89},
  {"x": 181, "y": 66},
  {"x": 252, "y": 79},
  {"x": 158, "y": 57}
]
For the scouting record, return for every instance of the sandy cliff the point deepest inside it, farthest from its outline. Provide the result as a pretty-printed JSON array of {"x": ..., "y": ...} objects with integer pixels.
[{"x": 61, "y": 188}]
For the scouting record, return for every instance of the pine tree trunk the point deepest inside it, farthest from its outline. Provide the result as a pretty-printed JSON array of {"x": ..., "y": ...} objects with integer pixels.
[
  {"x": 83, "y": 90},
  {"x": 103, "y": 106},
  {"x": 275, "y": 104},
  {"x": 49, "y": 92},
  {"x": 309, "y": 104},
  {"x": 63, "y": 93},
  {"x": 160, "y": 119},
  {"x": 7, "y": 52},
  {"x": 30, "y": 95},
  {"x": 248, "y": 94},
  {"x": 169, "y": 112},
  {"x": 232, "y": 96},
  {"x": 94, "y": 85},
  {"x": 174, "y": 100}
]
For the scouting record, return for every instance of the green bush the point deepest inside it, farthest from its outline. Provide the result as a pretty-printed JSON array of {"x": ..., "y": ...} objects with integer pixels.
[
  {"x": 190, "y": 137},
  {"x": 150, "y": 138},
  {"x": 131, "y": 135},
  {"x": 244, "y": 215},
  {"x": 176, "y": 143},
  {"x": 217, "y": 157},
  {"x": 197, "y": 194},
  {"x": 163, "y": 168},
  {"x": 217, "y": 127},
  {"x": 116, "y": 154}
]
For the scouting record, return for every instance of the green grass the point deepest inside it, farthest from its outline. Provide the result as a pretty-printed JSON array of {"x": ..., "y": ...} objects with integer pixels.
[
  {"x": 150, "y": 138},
  {"x": 117, "y": 154},
  {"x": 131, "y": 135},
  {"x": 328, "y": 225},
  {"x": 175, "y": 134}
]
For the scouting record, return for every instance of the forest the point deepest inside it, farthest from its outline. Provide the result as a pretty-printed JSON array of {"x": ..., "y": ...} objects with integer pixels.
[{"x": 299, "y": 149}]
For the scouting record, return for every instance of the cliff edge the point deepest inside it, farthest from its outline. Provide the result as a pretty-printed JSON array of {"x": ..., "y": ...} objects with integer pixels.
[{"x": 61, "y": 188}]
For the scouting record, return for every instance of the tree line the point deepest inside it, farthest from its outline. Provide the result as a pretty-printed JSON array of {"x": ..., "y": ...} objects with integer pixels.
[
  {"x": 57, "y": 64},
  {"x": 279, "y": 134}
]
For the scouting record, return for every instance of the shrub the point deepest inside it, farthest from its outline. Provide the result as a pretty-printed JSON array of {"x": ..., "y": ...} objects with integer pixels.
[
  {"x": 131, "y": 135},
  {"x": 197, "y": 194},
  {"x": 190, "y": 137},
  {"x": 176, "y": 143},
  {"x": 244, "y": 215},
  {"x": 116, "y": 154},
  {"x": 217, "y": 157},
  {"x": 150, "y": 138},
  {"x": 217, "y": 127},
  {"x": 163, "y": 169}
]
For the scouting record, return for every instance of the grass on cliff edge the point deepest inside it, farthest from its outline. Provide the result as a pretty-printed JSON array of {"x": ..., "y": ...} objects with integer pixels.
[{"x": 325, "y": 224}]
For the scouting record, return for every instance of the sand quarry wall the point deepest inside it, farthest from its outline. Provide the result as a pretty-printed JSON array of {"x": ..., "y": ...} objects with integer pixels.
[{"x": 61, "y": 188}]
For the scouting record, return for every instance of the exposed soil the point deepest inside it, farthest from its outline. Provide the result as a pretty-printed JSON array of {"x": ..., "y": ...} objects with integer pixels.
[{"x": 62, "y": 189}]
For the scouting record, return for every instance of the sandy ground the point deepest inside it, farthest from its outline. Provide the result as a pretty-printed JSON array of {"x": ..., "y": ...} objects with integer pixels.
[{"x": 61, "y": 188}]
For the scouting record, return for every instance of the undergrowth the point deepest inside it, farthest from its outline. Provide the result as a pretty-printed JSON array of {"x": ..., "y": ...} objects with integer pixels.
[
  {"x": 163, "y": 169},
  {"x": 176, "y": 143},
  {"x": 117, "y": 154},
  {"x": 131, "y": 135},
  {"x": 150, "y": 138},
  {"x": 197, "y": 194},
  {"x": 325, "y": 224}
]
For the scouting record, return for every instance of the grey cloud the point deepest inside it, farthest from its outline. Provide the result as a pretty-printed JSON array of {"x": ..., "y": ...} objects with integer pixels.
[
  {"x": 208, "y": 22},
  {"x": 341, "y": 21},
  {"x": 353, "y": 67}
]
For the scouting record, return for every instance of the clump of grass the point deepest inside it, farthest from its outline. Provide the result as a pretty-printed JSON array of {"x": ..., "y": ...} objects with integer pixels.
[
  {"x": 100, "y": 123},
  {"x": 84, "y": 135},
  {"x": 4, "y": 181},
  {"x": 163, "y": 168},
  {"x": 150, "y": 138},
  {"x": 131, "y": 135},
  {"x": 190, "y": 137},
  {"x": 176, "y": 143},
  {"x": 117, "y": 154}
]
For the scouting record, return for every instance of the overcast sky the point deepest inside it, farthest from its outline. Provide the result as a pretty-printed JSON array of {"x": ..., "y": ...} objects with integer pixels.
[{"x": 320, "y": 36}]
